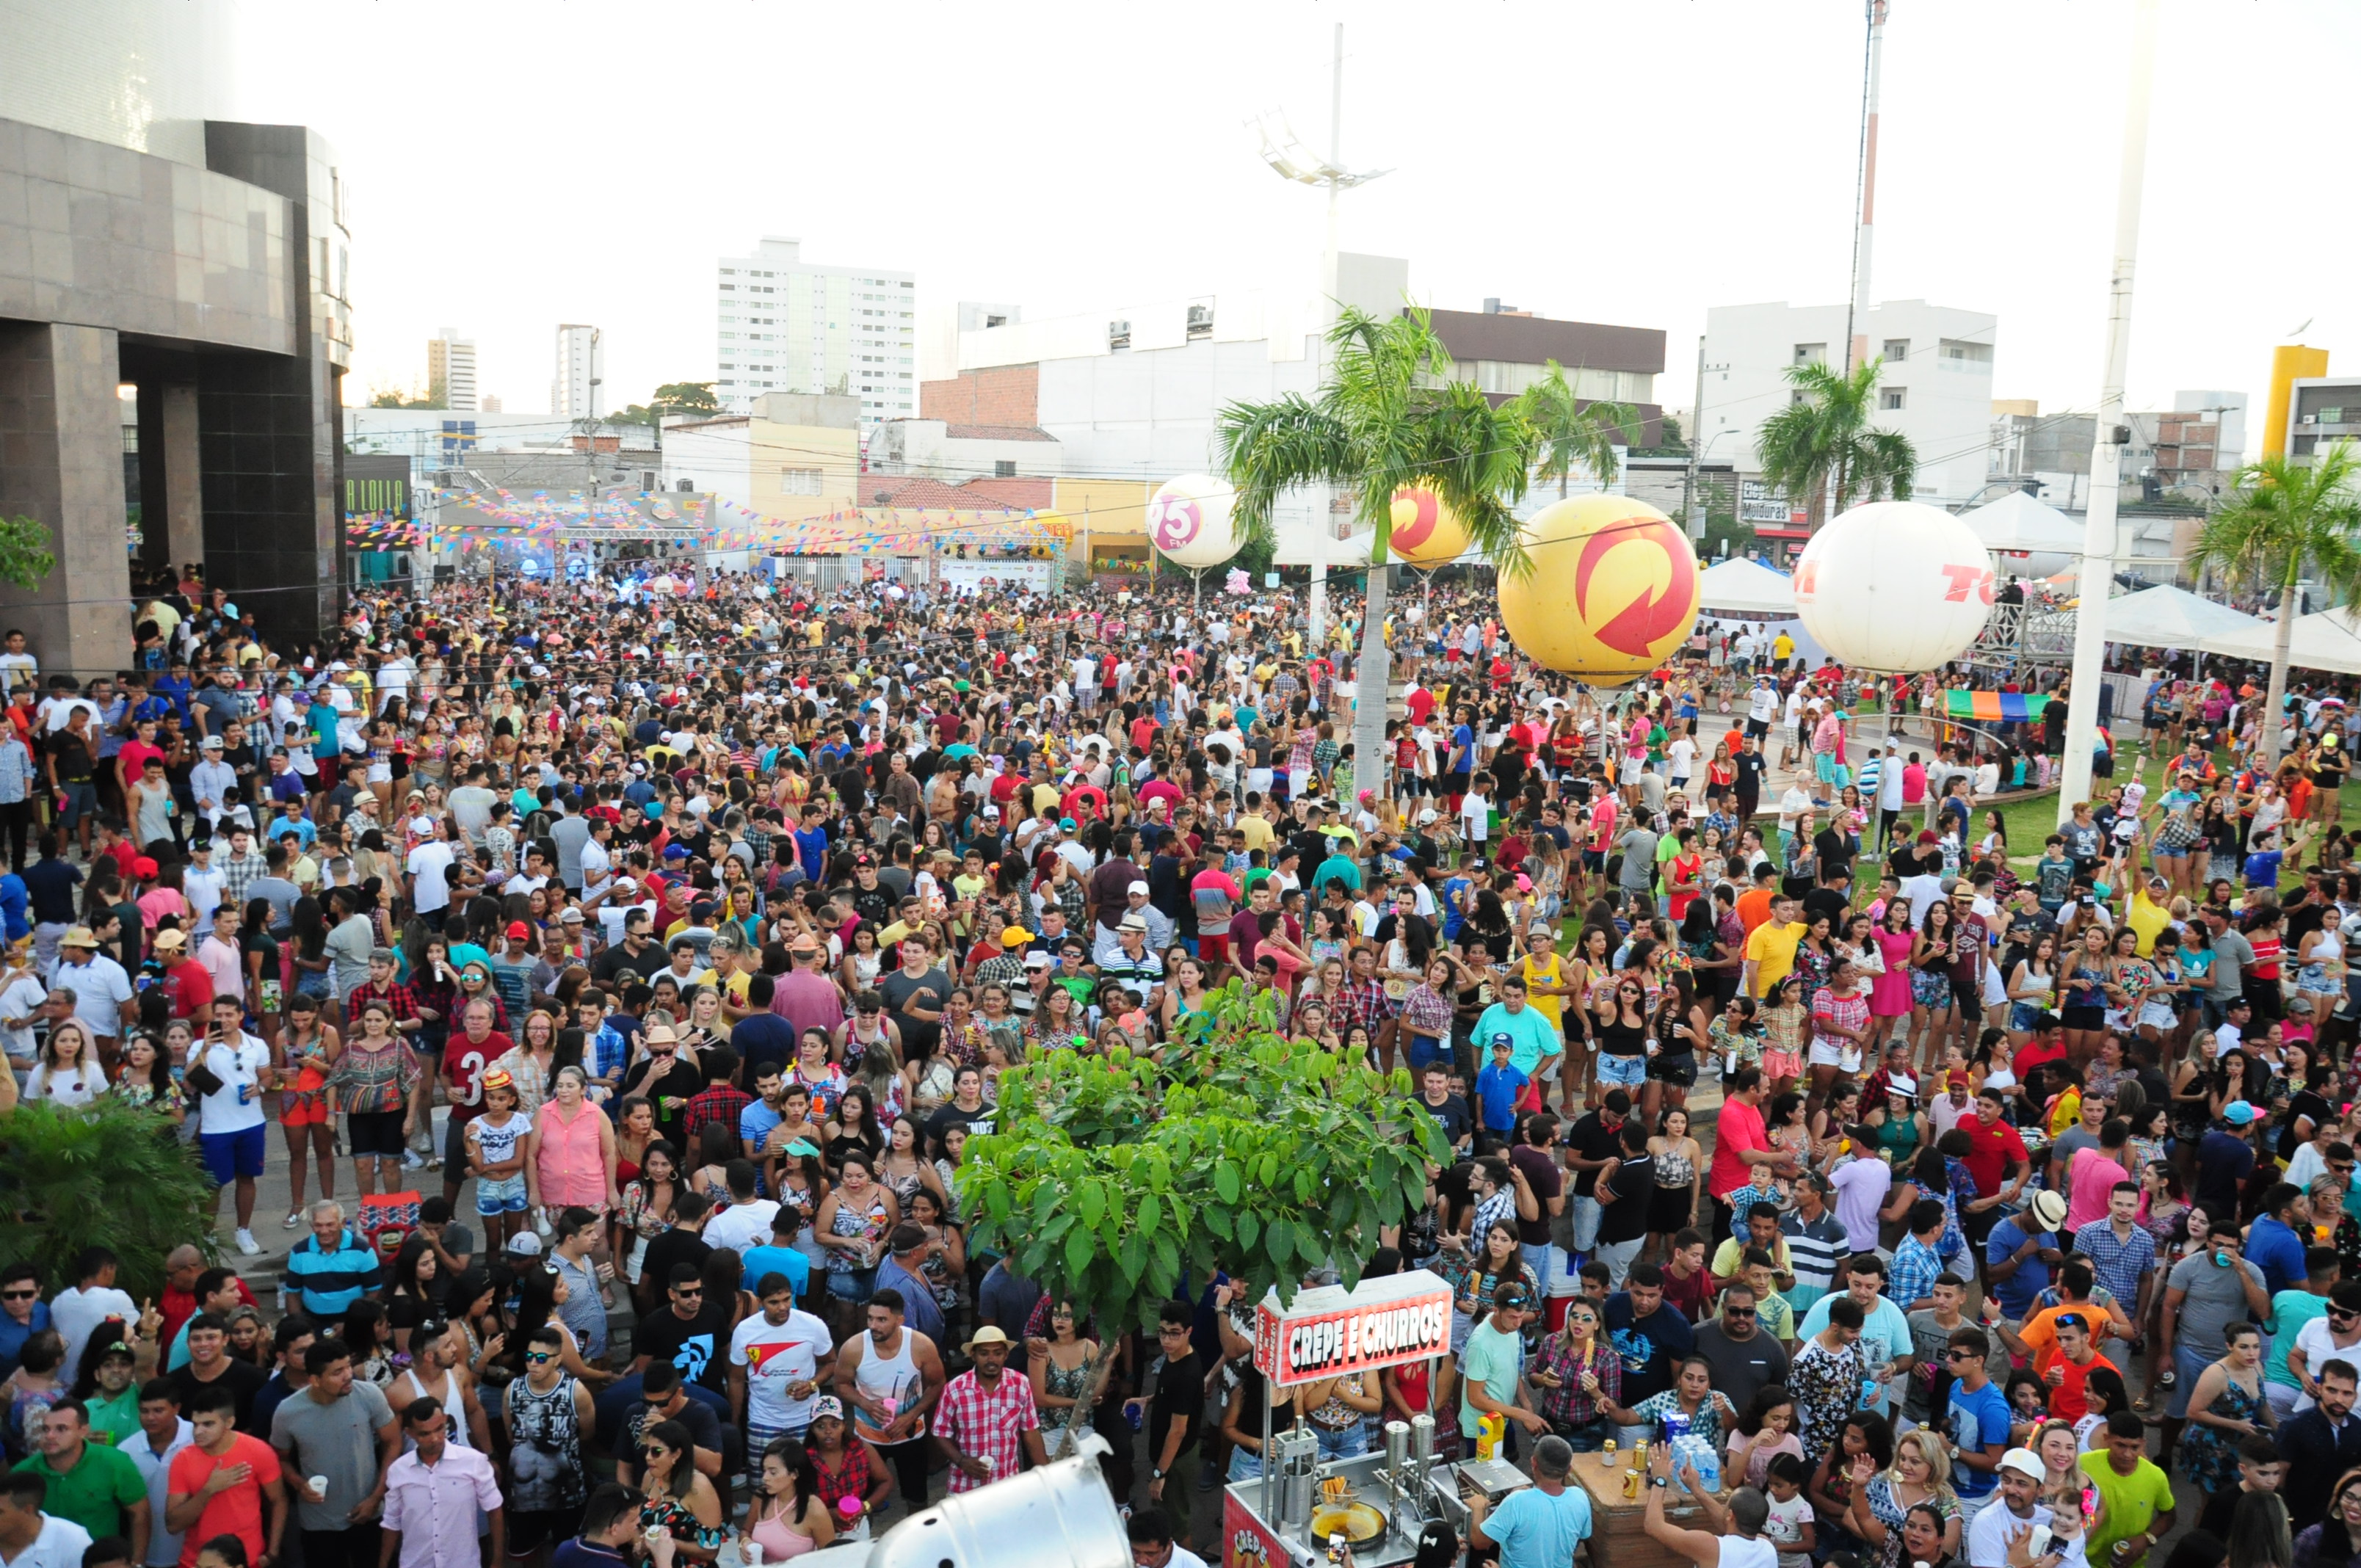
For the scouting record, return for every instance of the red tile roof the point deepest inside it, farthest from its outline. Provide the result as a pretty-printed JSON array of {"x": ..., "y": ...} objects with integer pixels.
[{"x": 1016, "y": 494}]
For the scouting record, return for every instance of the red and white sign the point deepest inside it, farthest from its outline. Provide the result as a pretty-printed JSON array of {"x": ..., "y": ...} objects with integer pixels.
[{"x": 1331, "y": 1330}]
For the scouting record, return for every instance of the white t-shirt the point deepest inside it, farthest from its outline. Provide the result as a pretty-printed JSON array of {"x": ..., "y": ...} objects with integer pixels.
[
  {"x": 775, "y": 1356},
  {"x": 76, "y": 1311},
  {"x": 1995, "y": 1527},
  {"x": 19, "y": 999},
  {"x": 741, "y": 1226},
  {"x": 1783, "y": 1528},
  {"x": 238, "y": 1103},
  {"x": 99, "y": 988},
  {"x": 1682, "y": 753},
  {"x": 430, "y": 865}
]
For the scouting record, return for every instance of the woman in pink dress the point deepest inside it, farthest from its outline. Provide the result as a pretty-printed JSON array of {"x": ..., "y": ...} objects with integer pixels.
[{"x": 1889, "y": 997}]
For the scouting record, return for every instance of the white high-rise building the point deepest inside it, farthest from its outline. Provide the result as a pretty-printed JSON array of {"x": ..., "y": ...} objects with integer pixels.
[
  {"x": 451, "y": 371},
  {"x": 577, "y": 391},
  {"x": 784, "y": 324}
]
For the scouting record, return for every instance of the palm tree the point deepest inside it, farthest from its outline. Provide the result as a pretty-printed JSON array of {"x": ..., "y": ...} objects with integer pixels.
[
  {"x": 1821, "y": 447},
  {"x": 2284, "y": 521},
  {"x": 1390, "y": 415},
  {"x": 1575, "y": 432}
]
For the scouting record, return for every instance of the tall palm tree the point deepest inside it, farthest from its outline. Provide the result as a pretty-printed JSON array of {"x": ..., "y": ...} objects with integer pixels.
[
  {"x": 1390, "y": 415},
  {"x": 1575, "y": 432},
  {"x": 2282, "y": 522},
  {"x": 1822, "y": 448}
]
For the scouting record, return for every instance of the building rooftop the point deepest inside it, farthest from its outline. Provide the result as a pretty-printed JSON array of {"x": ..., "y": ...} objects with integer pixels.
[
  {"x": 1529, "y": 340},
  {"x": 997, "y": 432},
  {"x": 894, "y": 490}
]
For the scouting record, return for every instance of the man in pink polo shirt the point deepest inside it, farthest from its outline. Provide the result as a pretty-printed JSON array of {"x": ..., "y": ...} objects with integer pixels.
[{"x": 1740, "y": 1144}]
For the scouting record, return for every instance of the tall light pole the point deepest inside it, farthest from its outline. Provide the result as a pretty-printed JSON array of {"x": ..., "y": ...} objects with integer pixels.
[
  {"x": 2106, "y": 446},
  {"x": 1288, "y": 160},
  {"x": 1865, "y": 183}
]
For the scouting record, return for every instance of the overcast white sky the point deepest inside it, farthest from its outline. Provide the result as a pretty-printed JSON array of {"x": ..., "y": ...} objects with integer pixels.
[{"x": 526, "y": 162}]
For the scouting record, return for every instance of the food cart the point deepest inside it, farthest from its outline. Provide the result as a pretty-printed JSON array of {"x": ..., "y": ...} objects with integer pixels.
[{"x": 1379, "y": 1501}]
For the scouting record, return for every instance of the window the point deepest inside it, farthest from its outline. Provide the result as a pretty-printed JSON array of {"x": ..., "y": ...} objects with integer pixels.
[
  {"x": 799, "y": 481},
  {"x": 1897, "y": 349},
  {"x": 1893, "y": 396},
  {"x": 1811, "y": 354},
  {"x": 1004, "y": 468},
  {"x": 1958, "y": 350}
]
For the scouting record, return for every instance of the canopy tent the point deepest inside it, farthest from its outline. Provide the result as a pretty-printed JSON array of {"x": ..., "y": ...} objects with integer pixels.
[
  {"x": 2027, "y": 537},
  {"x": 2167, "y": 617},
  {"x": 1740, "y": 587},
  {"x": 2330, "y": 640}
]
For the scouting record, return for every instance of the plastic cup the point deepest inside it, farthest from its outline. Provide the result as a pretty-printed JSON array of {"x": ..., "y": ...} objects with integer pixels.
[
  {"x": 319, "y": 1485},
  {"x": 753, "y": 1554},
  {"x": 849, "y": 1507}
]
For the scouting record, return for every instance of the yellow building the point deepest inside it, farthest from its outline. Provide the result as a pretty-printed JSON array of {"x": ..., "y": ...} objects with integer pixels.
[
  {"x": 2290, "y": 362},
  {"x": 804, "y": 454},
  {"x": 1109, "y": 517}
]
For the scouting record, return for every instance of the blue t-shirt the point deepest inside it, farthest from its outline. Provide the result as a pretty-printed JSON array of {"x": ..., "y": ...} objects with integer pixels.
[
  {"x": 14, "y": 900},
  {"x": 787, "y": 1260},
  {"x": 2032, "y": 1276},
  {"x": 2274, "y": 1249},
  {"x": 1977, "y": 1420},
  {"x": 2263, "y": 867},
  {"x": 1537, "y": 1530},
  {"x": 1498, "y": 1087}
]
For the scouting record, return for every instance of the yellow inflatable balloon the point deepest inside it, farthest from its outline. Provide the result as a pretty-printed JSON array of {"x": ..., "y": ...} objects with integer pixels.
[
  {"x": 1426, "y": 533},
  {"x": 1612, "y": 593}
]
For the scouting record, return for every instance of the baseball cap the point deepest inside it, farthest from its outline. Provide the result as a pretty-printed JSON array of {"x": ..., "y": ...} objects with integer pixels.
[
  {"x": 2238, "y": 1113},
  {"x": 519, "y": 931},
  {"x": 524, "y": 1243},
  {"x": 1505, "y": 1038},
  {"x": 2025, "y": 1462},
  {"x": 1137, "y": 887}
]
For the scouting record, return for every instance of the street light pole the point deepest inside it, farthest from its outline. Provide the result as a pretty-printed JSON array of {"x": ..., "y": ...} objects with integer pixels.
[
  {"x": 2106, "y": 447},
  {"x": 1328, "y": 281}
]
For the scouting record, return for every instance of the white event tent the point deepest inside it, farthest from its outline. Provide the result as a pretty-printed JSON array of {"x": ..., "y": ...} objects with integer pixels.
[
  {"x": 2168, "y": 617},
  {"x": 2027, "y": 538},
  {"x": 2330, "y": 640},
  {"x": 1739, "y": 587}
]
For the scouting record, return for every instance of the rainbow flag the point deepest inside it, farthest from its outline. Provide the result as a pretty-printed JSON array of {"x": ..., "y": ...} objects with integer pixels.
[{"x": 1994, "y": 707}]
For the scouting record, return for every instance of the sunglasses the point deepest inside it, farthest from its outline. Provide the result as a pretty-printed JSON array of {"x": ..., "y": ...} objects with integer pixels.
[
  {"x": 20, "y": 1295},
  {"x": 540, "y": 1356},
  {"x": 1738, "y": 1311},
  {"x": 1961, "y": 1355}
]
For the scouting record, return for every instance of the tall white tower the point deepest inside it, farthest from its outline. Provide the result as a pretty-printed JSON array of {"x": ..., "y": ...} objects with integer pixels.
[
  {"x": 577, "y": 391},
  {"x": 451, "y": 371}
]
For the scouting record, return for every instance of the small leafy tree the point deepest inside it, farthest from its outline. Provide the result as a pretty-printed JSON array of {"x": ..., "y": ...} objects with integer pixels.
[
  {"x": 1575, "y": 431},
  {"x": 25, "y": 556},
  {"x": 1110, "y": 1177},
  {"x": 1822, "y": 450},
  {"x": 107, "y": 1174}
]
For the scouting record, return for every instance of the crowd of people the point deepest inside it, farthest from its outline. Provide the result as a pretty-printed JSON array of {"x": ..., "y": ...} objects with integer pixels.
[{"x": 687, "y": 943}]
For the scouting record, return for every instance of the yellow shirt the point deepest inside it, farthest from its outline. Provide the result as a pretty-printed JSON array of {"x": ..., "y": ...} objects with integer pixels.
[
  {"x": 1551, "y": 1006},
  {"x": 1256, "y": 831},
  {"x": 1771, "y": 950},
  {"x": 2148, "y": 918}
]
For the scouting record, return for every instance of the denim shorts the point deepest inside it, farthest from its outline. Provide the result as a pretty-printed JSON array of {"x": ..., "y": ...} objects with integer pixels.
[
  {"x": 1624, "y": 1072},
  {"x": 505, "y": 1196}
]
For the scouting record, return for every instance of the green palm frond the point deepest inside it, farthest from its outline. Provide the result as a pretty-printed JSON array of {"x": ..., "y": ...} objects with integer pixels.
[
  {"x": 1391, "y": 414},
  {"x": 1572, "y": 432},
  {"x": 1823, "y": 441},
  {"x": 107, "y": 1175}
]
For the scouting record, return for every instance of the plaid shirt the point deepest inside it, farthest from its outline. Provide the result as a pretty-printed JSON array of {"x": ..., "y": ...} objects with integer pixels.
[
  {"x": 1914, "y": 1268},
  {"x": 2116, "y": 1264},
  {"x": 987, "y": 1423},
  {"x": 1567, "y": 1404},
  {"x": 1363, "y": 1002},
  {"x": 238, "y": 875},
  {"x": 394, "y": 995},
  {"x": 719, "y": 1103}
]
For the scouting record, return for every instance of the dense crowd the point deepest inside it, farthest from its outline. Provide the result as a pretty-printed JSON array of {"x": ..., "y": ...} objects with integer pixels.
[{"x": 703, "y": 918}]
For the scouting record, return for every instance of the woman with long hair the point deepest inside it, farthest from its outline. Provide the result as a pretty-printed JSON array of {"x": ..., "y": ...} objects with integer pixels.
[
  {"x": 1478, "y": 1267},
  {"x": 789, "y": 1516},
  {"x": 1839, "y": 1472},
  {"x": 146, "y": 1078},
  {"x": 2225, "y": 1404},
  {"x": 646, "y": 1214},
  {"x": 66, "y": 1070},
  {"x": 2032, "y": 987},
  {"x": 1920, "y": 1476},
  {"x": 1672, "y": 1205},
  {"x": 1680, "y": 1032},
  {"x": 419, "y": 1291},
  {"x": 674, "y": 1495},
  {"x": 1934, "y": 1012},
  {"x": 2335, "y": 1540}
]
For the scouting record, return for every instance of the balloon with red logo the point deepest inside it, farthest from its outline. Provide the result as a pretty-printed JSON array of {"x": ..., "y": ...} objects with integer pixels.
[
  {"x": 1425, "y": 531},
  {"x": 1612, "y": 593},
  {"x": 1189, "y": 521},
  {"x": 1894, "y": 586}
]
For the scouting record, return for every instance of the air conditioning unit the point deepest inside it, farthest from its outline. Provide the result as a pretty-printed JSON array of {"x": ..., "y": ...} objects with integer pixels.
[
  {"x": 1118, "y": 335},
  {"x": 1201, "y": 320}
]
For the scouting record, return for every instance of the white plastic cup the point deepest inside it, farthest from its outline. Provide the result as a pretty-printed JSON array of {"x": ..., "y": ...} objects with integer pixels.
[
  {"x": 752, "y": 1552},
  {"x": 320, "y": 1485}
]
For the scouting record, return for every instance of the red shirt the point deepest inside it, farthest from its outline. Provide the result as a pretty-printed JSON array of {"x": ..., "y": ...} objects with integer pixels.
[
  {"x": 1992, "y": 1150},
  {"x": 1737, "y": 1128},
  {"x": 234, "y": 1510},
  {"x": 464, "y": 1061}
]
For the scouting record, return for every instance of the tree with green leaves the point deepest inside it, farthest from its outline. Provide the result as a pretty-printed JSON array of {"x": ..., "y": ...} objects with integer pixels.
[
  {"x": 1110, "y": 1177},
  {"x": 1822, "y": 448},
  {"x": 108, "y": 1174},
  {"x": 1391, "y": 414},
  {"x": 2285, "y": 522},
  {"x": 25, "y": 556},
  {"x": 671, "y": 399},
  {"x": 1575, "y": 431}
]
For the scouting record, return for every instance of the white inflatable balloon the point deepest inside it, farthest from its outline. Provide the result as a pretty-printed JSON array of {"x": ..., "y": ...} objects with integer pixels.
[
  {"x": 1894, "y": 586},
  {"x": 1189, "y": 521}
]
